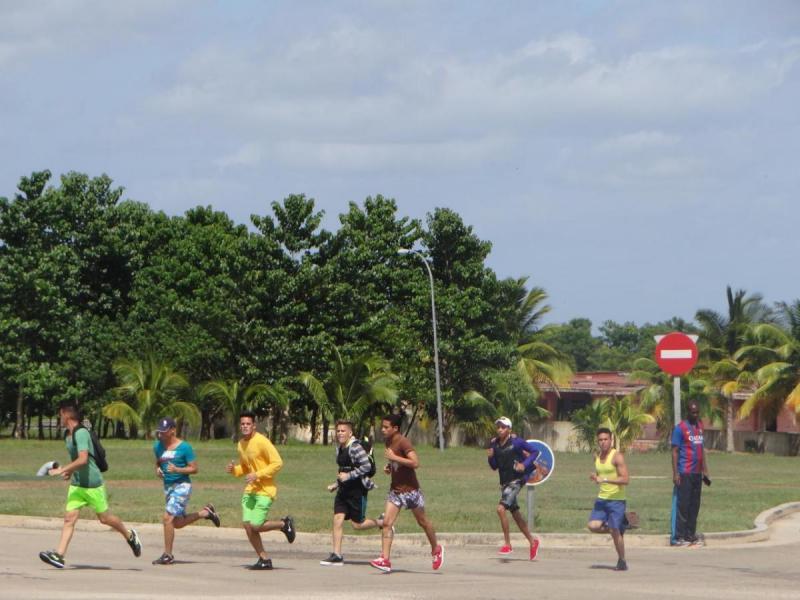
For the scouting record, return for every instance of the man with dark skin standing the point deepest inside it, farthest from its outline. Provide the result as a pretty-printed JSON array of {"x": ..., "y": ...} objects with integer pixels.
[
  {"x": 689, "y": 472},
  {"x": 611, "y": 475},
  {"x": 404, "y": 493},
  {"x": 86, "y": 487},
  {"x": 513, "y": 458}
]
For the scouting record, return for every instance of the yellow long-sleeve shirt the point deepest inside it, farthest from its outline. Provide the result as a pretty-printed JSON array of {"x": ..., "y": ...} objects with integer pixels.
[{"x": 258, "y": 455}]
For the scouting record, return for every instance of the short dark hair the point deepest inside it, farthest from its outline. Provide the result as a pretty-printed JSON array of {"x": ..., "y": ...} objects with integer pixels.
[
  {"x": 394, "y": 420},
  {"x": 346, "y": 422},
  {"x": 603, "y": 430},
  {"x": 249, "y": 414},
  {"x": 71, "y": 408}
]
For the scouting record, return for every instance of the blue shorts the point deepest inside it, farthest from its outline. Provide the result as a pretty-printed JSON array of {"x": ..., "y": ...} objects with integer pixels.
[
  {"x": 177, "y": 496},
  {"x": 611, "y": 512}
]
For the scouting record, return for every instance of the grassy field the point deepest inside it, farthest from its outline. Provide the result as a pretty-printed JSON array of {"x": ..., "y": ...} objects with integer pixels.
[{"x": 460, "y": 489}]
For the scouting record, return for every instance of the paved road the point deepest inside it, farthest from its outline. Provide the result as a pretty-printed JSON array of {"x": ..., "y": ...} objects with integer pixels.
[{"x": 211, "y": 564}]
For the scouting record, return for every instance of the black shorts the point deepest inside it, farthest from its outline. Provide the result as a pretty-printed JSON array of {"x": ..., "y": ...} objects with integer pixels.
[{"x": 351, "y": 502}]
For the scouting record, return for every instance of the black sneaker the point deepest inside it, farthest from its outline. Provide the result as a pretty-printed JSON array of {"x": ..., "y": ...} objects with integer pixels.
[
  {"x": 334, "y": 560},
  {"x": 263, "y": 564},
  {"x": 164, "y": 559},
  {"x": 135, "y": 543},
  {"x": 213, "y": 516},
  {"x": 621, "y": 565},
  {"x": 51, "y": 557},
  {"x": 679, "y": 542},
  {"x": 288, "y": 529}
]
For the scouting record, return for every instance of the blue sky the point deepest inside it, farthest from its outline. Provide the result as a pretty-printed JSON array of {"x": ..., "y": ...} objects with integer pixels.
[{"x": 633, "y": 158}]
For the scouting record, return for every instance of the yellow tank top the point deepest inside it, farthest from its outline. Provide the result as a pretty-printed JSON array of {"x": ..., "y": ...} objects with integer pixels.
[{"x": 607, "y": 470}]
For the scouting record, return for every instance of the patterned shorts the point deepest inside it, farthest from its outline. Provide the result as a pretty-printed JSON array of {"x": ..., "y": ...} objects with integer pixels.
[
  {"x": 178, "y": 498},
  {"x": 509, "y": 493},
  {"x": 411, "y": 500}
]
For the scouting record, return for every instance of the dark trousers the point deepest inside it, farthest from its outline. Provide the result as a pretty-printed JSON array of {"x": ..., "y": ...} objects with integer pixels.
[{"x": 688, "y": 505}]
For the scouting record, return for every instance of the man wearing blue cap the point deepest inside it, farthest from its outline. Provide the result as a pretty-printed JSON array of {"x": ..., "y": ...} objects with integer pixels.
[{"x": 175, "y": 461}]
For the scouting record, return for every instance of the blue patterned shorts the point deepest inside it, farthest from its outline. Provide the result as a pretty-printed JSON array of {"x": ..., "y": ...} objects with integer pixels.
[
  {"x": 410, "y": 500},
  {"x": 178, "y": 498}
]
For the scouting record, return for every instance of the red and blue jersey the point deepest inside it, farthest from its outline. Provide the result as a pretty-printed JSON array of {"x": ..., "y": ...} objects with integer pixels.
[{"x": 688, "y": 439}]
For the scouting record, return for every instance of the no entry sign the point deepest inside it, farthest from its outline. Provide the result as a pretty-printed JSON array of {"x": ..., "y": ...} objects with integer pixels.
[{"x": 676, "y": 353}]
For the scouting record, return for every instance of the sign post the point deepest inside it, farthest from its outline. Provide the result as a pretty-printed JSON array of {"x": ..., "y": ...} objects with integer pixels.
[
  {"x": 543, "y": 468},
  {"x": 676, "y": 354}
]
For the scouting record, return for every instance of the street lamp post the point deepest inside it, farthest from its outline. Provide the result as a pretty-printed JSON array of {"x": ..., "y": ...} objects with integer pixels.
[{"x": 439, "y": 415}]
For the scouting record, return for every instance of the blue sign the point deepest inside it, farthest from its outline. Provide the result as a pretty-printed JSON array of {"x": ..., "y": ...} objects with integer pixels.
[{"x": 545, "y": 463}]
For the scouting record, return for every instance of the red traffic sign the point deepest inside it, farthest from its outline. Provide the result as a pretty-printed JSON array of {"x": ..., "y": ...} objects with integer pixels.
[{"x": 676, "y": 353}]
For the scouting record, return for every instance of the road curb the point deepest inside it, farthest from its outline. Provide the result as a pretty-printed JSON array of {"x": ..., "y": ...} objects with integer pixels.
[{"x": 759, "y": 533}]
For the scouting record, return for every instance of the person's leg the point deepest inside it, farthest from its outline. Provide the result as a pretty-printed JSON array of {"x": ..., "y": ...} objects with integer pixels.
[
  {"x": 684, "y": 505},
  {"x": 695, "y": 490},
  {"x": 70, "y": 518},
  {"x": 523, "y": 526},
  {"x": 427, "y": 526},
  {"x": 255, "y": 540},
  {"x": 338, "y": 533},
  {"x": 358, "y": 514},
  {"x": 619, "y": 543},
  {"x": 502, "y": 514},
  {"x": 169, "y": 532},
  {"x": 390, "y": 513},
  {"x": 598, "y": 519}
]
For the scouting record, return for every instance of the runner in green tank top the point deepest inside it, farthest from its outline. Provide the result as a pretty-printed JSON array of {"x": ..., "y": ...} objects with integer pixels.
[{"x": 608, "y": 514}]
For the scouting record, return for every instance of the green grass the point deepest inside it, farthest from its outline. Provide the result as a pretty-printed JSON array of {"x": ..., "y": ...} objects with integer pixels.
[{"x": 461, "y": 491}]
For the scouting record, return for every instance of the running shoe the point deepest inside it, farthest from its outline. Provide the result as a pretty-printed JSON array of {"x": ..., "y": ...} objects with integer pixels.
[
  {"x": 213, "y": 515},
  {"x": 51, "y": 557},
  {"x": 505, "y": 550},
  {"x": 164, "y": 559},
  {"x": 288, "y": 528},
  {"x": 696, "y": 542},
  {"x": 334, "y": 560},
  {"x": 438, "y": 557},
  {"x": 679, "y": 542},
  {"x": 382, "y": 564},
  {"x": 262, "y": 564},
  {"x": 135, "y": 543},
  {"x": 534, "y": 548},
  {"x": 621, "y": 565}
]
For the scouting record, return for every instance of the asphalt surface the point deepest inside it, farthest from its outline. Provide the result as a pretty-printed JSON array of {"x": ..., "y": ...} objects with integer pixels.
[{"x": 212, "y": 563}]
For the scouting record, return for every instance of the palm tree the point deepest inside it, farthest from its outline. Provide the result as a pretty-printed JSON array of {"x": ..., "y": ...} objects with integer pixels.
[
  {"x": 538, "y": 363},
  {"x": 358, "y": 389},
  {"x": 722, "y": 336},
  {"x": 656, "y": 398},
  {"x": 233, "y": 398},
  {"x": 624, "y": 418},
  {"x": 148, "y": 391},
  {"x": 775, "y": 350}
]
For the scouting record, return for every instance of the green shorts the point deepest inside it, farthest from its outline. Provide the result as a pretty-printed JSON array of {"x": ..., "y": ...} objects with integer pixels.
[
  {"x": 255, "y": 508},
  {"x": 78, "y": 497}
]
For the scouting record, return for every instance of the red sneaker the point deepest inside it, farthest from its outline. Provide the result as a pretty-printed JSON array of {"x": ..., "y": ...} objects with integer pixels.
[
  {"x": 438, "y": 557},
  {"x": 382, "y": 564},
  {"x": 534, "y": 548},
  {"x": 505, "y": 550}
]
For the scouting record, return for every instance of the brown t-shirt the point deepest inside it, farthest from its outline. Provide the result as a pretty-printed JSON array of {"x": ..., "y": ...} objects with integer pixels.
[{"x": 404, "y": 479}]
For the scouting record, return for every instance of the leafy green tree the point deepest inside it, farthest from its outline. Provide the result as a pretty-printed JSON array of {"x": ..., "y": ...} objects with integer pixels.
[
  {"x": 723, "y": 335},
  {"x": 233, "y": 398},
  {"x": 149, "y": 390},
  {"x": 774, "y": 351},
  {"x": 622, "y": 416},
  {"x": 573, "y": 339},
  {"x": 360, "y": 389}
]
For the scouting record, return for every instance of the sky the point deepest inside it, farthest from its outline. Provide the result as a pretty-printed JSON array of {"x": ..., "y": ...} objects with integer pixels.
[{"x": 632, "y": 158}]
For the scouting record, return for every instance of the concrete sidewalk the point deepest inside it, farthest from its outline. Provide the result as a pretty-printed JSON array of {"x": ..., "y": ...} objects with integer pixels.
[{"x": 765, "y": 527}]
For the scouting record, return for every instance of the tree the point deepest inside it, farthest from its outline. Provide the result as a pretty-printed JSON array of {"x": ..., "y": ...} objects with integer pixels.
[
  {"x": 622, "y": 416},
  {"x": 233, "y": 398},
  {"x": 721, "y": 338},
  {"x": 359, "y": 389},
  {"x": 149, "y": 390},
  {"x": 774, "y": 353}
]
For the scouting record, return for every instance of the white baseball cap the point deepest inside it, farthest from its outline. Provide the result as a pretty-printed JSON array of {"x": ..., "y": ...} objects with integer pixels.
[{"x": 505, "y": 421}]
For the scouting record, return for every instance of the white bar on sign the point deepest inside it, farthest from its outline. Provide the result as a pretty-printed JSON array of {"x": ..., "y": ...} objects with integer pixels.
[{"x": 676, "y": 354}]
